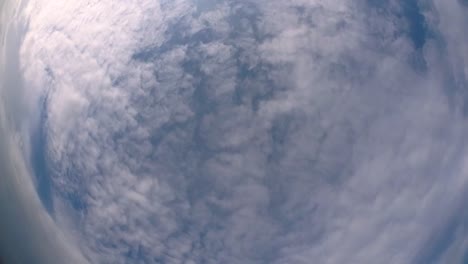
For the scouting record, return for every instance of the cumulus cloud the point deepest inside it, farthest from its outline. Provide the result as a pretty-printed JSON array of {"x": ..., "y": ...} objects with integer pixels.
[{"x": 253, "y": 131}]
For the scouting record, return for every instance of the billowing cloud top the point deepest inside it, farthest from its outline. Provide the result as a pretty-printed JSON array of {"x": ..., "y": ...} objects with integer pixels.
[{"x": 217, "y": 131}]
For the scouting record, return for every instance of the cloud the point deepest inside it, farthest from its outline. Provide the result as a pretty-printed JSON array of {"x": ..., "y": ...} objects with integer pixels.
[
  {"x": 27, "y": 233},
  {"x": 253, "y": 131}
]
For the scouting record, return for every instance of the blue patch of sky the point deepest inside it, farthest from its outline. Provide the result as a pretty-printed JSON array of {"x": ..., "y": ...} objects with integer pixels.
[
  {"x": 417, "y": 31},
  {"x": 39, "y": 161}
]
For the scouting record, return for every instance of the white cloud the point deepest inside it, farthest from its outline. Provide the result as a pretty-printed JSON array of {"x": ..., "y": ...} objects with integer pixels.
[
  {"x": 27, "y": 232},
  {"x": 250, "y": 132}
]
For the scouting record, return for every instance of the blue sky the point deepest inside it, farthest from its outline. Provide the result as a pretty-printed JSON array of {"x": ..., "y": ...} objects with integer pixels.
[{"x": 39, "y": 161}]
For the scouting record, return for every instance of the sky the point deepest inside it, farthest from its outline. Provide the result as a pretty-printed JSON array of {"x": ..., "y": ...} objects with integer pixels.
[{"x": 217, "y": 131}]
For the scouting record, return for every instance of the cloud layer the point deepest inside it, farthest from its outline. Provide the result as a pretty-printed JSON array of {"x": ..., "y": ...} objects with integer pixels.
[
  {"x": 203, "y": 131},
  {"x": 27, "y": 233}
]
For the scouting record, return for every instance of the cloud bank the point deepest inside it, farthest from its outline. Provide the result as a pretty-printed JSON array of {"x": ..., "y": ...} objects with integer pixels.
[
  {"x": 27, "y": 233},
  {"x": 203, "y": 131}
]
